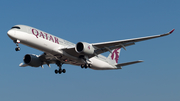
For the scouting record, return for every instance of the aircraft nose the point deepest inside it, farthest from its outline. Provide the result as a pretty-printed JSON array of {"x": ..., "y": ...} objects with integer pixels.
[{"x": 11, "y": 33}]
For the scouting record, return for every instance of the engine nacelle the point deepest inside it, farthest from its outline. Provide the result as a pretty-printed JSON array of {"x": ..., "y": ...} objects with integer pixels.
[
  {"x": 84, "y": 48},
  {"x": 32, "y": 60}
]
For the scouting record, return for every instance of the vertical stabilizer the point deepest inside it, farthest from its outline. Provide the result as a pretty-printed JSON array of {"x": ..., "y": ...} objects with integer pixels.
[{"x": 114, "y": 56}]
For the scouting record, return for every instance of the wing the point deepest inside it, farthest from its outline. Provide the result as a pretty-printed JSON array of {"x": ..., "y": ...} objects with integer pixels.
[{"x": 108, "y": 46}]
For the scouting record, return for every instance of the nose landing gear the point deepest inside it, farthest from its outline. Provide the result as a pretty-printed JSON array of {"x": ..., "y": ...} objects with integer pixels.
[{"x": 17, "y": 45}]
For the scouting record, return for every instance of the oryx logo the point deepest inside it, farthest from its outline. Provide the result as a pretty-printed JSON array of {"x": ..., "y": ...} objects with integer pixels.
[
  {"x": 115, "y": 55},
  {"x": 89, "y": 47}
]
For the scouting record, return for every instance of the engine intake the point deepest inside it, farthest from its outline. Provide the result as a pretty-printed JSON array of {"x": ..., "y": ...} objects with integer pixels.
[
  {"x": 84, "y": 48},
  {"x": 32, "y": 60}
]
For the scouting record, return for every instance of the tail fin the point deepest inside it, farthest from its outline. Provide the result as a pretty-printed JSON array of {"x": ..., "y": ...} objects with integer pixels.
[{"x": 114, "y": 56}]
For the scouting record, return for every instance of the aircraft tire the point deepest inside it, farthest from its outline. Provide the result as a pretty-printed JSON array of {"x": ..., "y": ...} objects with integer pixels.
[
  {"x": 56, "y": 71},
  {"x": 60, "y": 71},
  {"x": 17, "y": 49},
  {"x": 64, "y": 71},
  {"x": 82, "y": 66}
]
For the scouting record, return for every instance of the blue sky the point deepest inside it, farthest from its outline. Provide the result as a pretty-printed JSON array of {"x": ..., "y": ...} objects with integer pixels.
[{"x": 92, "y": 21}]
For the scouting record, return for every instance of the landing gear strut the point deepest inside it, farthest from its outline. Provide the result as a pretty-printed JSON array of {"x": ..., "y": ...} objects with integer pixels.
[
  {"x": 17, "y": 45},
  {"x": 86, "y": 61},
  {"x": 59, "y": 64}
]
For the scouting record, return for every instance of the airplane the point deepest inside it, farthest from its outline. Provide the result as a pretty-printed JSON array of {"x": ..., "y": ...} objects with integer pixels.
[{"x": 59, "y": 51}]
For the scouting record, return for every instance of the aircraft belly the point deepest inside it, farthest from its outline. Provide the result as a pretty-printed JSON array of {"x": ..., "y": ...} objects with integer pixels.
[{"x": 98, "y": 64}]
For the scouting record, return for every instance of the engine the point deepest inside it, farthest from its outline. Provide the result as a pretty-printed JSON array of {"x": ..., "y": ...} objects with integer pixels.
[
  {"x": 84, "y": 48},
  {"x": 32, "y": 60}
]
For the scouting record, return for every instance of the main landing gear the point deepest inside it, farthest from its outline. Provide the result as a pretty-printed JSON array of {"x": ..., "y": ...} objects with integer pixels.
[
  {"x": 86, "y": 61},
  {"x": 86, "y": 66},
  {"x": 59, "y": 64},
  {"x": 17, "y": 45}
]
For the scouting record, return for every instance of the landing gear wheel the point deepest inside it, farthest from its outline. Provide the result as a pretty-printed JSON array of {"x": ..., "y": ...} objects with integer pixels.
[
  {"x": 17, "y": 49},
  {"x": 56, "y": 71},
  {"x": 64, "y": 71},
  {"x": 60, "y": 71},
  {"x": 86, "y": 66},
  {"x": 89, "y": 65},
  {"x": 82, "y": 66}
]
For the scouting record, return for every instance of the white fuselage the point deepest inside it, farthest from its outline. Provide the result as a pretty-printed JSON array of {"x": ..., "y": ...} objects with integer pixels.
[{"x": 51, "y": 44}]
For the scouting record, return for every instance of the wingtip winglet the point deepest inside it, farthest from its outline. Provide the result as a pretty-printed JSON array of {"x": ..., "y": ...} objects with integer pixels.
[{"x": 171, "y": 31}]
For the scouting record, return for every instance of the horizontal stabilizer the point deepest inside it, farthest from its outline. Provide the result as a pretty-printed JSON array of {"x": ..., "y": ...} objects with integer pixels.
[
  {"x": 22, "y": 65},
  {"x": 127, "y": 63}
]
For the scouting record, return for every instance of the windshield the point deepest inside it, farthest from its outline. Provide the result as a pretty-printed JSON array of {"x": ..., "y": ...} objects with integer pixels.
[{"x": 15, "y": 27}]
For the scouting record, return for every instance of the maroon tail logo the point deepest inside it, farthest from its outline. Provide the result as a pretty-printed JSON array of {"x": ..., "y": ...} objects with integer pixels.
[
  {"x": 116, "y": 55},
  {"x": 89, "y": 47}
]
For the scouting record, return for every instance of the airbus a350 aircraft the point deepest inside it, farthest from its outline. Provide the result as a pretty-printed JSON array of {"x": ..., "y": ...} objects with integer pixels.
[{"x": 60, "y": 51}]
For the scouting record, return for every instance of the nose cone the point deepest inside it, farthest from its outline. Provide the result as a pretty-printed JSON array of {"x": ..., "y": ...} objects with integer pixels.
[{"x": 11, "y": 34}]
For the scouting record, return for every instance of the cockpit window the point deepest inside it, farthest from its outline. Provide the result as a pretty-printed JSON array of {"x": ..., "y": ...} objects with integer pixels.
[{"x": 16, "y": 27}]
